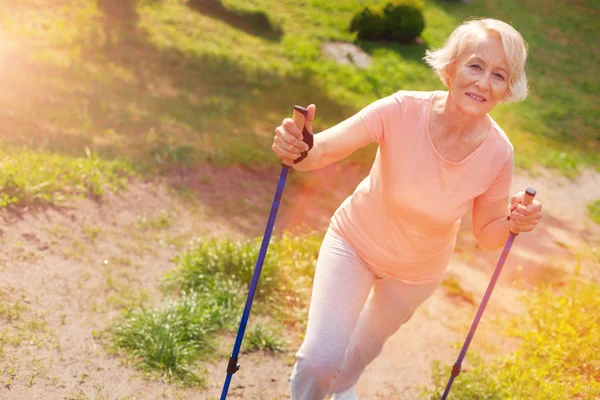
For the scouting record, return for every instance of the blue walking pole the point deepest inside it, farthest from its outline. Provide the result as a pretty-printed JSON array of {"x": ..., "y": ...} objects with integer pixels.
[
  {"x": 299, "y": 117},
  {"x": 529, "y": 195}
]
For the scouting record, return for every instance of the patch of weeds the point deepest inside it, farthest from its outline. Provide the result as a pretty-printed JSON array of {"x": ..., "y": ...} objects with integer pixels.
[
  {"x": 213, "y": 278},
  {"x": 8, "y": 373},
  {"x": 179, "y": 241},
  {"x": 121, "y": 260},
  {"x": 264, "y": 338},
  {"x": 128, "y": 299},
  {"x": 75, "y": 251},
  {"x": 163, "y": 220},
  {"x": 455, "y": 290},
  {"x": 286, "y": 275},
  {"x": 594, "y": 211},
  {"x": 10, "y": 311},
  {"x": 28, "y": 177},
  {"x": 57, "y": 231},
  {"x": 91, "y": 232},
  {"x": 14, "y": 370},
  {"x": 556, "y": 359},
  {"x": 23, "y": 326},
  {"x": 19, "y": 252},
  {"x": 76, "y": 394},
  {"x": 171, "y": 338}
]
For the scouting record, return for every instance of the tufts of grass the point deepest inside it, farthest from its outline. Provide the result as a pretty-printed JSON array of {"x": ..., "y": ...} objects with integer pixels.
[
  {"x": 556, "y": 359},
  {"x": 213, "y": 278},
  {"x": 454, "y": 289},
  {"x": 594, "y": 211},
  {"x": 286, "y": 273},
  {"x": 28, "y": 177},
  {"x": 162, "y": 220},
  {"x": 174, "y": 336},
  {"x": 21, "y": 324},
  {"x": 263, "y": 338}
]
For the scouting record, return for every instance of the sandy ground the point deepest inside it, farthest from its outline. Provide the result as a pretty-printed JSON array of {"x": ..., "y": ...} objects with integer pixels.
[{"x": 67, "y": 271}]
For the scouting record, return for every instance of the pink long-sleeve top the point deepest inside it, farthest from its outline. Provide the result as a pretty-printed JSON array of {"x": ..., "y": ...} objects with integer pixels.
[{"x": 403, "y": 218}]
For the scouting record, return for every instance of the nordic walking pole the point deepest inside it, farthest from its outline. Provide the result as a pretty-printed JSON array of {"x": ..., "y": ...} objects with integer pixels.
[
  {"x": 527, "y": 199},
  {"x": 299, "y": 118}
]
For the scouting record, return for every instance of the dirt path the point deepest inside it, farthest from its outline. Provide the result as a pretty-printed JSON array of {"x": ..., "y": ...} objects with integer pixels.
[{"x": 68, "y": 271}]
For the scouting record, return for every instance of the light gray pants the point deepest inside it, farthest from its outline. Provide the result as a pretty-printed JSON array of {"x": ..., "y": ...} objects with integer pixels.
[{"x": 351, "y": 315}]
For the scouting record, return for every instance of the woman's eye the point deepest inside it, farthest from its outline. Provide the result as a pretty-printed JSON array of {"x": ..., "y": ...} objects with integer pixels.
[
  {"x": 500, "y": 76},
  {"x": 475, "y": 66}
]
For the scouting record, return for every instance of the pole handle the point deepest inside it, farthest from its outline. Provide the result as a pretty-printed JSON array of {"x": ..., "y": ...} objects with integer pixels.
[
  {"x": 527, "y": 200},
  {"x": 299, "y": 117},
  {"x": 529, "y": 196}
]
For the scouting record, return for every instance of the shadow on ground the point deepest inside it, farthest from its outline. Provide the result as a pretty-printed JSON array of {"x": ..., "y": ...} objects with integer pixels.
[{"x": 255, "y": 23}]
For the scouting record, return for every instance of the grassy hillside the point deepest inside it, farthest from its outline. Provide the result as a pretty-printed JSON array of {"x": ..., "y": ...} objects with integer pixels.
[{"x": 171, "y": 83}]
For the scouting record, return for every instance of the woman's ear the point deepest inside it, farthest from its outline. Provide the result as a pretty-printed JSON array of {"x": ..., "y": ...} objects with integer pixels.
[{"x": 449, "y": 73}]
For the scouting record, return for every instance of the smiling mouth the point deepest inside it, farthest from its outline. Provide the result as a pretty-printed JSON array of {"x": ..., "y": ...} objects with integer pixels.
[{"x": 476, "y": 98}]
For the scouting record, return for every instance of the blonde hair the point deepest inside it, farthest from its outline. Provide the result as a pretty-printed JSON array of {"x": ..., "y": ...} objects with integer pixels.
[{"x": 515, "y": 49}]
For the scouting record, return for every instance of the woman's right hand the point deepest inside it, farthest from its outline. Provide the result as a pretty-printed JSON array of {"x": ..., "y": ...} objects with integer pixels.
[{"x": 287, "y": 143}]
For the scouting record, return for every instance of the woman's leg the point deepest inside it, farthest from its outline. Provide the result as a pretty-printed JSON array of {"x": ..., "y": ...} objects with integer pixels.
[
  {"x": 390, "y": 305},
  {"x": 340, "y": 288}
]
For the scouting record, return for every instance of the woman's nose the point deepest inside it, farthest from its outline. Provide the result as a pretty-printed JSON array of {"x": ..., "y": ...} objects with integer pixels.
[{"x": 483, "y": 82}]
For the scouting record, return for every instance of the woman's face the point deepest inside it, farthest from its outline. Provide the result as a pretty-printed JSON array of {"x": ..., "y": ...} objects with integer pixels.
[{"x": 479, "y": 77}]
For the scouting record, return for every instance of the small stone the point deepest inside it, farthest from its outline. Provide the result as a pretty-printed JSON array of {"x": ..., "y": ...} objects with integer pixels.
[{"x": 346, "y": 53}]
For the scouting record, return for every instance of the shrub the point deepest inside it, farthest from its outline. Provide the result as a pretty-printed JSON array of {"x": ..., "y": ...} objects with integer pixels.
[
  {"x": 370, "y": 23},
  {"x": 404, "y": 20},
  {"x": 400, "y": 20}
]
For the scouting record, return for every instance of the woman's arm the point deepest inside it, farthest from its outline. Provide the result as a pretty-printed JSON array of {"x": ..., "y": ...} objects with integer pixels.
[
  {"x": 490, "y": 225},
  {"x": 335, "y": 143}
]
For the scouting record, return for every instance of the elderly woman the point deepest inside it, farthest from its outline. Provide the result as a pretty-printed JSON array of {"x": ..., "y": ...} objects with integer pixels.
[{"x": 388, "y": 244}]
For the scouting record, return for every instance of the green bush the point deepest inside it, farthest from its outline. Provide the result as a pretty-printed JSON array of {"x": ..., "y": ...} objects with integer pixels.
[
  {"x": 404, "y": 20},
  {"x": 400, "y": 20},
  {"x": 369, "y": 23}
]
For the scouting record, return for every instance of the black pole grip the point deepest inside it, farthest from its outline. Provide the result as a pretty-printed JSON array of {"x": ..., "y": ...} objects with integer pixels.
[{"x": 307, "y": 137}]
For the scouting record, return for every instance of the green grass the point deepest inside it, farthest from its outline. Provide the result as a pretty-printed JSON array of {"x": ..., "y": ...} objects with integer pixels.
[
  {"x": 173, "y": 337},
  {"x": 264, "y": 338},
  {"x": 162, "y": 220},
  {"x": 594, "y": 211},
  {"x": 185, "y": 88},
  {"x": 556, "y": 359},
  {"x": 454, "y": 289},
  {"x": 214, "y": 276},
  {"x": 30, "y": 177},
  {"x": 21, "y": 325},
  {"x": 286, "y": 275}
]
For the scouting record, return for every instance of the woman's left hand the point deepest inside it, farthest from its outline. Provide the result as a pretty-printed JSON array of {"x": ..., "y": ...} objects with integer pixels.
[{"x": 524, "y": 218}]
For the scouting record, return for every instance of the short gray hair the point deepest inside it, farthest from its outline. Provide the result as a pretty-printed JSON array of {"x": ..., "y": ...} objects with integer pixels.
[{"x": 515, "y": 49}]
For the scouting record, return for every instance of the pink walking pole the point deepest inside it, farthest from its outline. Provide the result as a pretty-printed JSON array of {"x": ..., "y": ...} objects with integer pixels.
[{"x": 529, "y": 195}]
